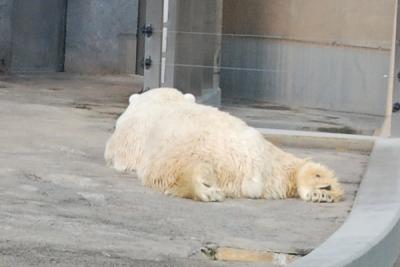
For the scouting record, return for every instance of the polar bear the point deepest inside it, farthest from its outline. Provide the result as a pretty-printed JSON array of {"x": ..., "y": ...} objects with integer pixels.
[{"x": 195, "y": 151}]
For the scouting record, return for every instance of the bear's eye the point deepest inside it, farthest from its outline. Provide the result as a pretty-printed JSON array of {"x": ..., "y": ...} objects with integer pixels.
[{"x": 319, "y": 176}]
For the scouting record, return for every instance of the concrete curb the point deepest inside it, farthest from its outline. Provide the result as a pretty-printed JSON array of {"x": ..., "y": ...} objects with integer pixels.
[
  {"x": 319, "y": 140},
  {"x": 371, "y": 234}
]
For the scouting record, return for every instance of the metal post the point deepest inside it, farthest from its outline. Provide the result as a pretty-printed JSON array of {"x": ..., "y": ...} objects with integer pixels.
[{"x": 154, "y": 17}]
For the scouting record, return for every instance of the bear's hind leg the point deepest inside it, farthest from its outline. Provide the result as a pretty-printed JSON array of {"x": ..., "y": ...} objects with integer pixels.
[
  {"x": 207, "y": 192},
  {"x": 199, "y": 183}
]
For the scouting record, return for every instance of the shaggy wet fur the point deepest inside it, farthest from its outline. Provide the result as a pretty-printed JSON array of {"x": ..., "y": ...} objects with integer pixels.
[{"x": 194, "y": 151}]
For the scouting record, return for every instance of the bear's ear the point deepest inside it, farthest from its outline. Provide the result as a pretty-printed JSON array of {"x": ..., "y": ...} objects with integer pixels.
[
  {"x": 132, "y": 97},
  {"x": 190, "y": 98}
]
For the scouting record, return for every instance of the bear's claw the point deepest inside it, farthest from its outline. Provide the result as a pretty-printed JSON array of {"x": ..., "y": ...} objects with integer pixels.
[
  {"x": 320, "y": 196},
  {"x": 211, "y": 194}
]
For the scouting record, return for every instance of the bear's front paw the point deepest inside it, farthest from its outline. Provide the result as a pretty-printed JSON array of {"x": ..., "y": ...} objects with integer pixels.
[
  {"x": 210, "y": 194},
  {"x": 319, "y": 195}
]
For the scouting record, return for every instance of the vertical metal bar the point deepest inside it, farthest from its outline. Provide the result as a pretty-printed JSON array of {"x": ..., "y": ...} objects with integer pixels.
[
  {"x": 218, "y": 44},
  {"x": 140, "y": 54},
  {"x": 154, "y": 16},
  {"x": 164, "y": 40},
  {"x": 386, "y": 128}
]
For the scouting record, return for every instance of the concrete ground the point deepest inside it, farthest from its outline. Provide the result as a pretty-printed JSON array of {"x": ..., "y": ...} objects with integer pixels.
[
  {"x": 62, "y": 206},
  {"x": 395, "y": 125}
]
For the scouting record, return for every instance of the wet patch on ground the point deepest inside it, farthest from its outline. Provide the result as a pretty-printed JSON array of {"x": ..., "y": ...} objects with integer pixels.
[
  {"x": 343, "y": 130},
  {"x": 270, "y": 107}
]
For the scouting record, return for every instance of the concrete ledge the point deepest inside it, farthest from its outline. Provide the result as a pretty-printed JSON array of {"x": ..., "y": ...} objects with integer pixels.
[
  {"x": 371, "y": 234},
  {"x": 319, "y": 140}
]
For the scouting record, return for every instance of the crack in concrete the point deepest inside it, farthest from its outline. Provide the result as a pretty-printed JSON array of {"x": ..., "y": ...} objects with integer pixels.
[{"x": 217, "y": 253}]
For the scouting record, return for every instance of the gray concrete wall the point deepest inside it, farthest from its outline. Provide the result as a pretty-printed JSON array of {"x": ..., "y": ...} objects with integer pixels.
[
  {"x": 5, "y": 34},
  {"x": 322, "y": 54},
  {"x": 101, "y": 36},
  {"x": 350, "y": 22},
  {"x": 38, "y": 31}
]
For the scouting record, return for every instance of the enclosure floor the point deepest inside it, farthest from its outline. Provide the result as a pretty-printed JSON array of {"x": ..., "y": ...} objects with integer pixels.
[
  {"x": 62, "y": 206},
  {"x": 265, "y": 115}
]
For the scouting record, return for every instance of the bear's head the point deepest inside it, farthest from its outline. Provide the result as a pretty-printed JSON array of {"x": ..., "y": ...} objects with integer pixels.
[
  {"x": 161, "y": 96},
  {"x": 317, "y": 183}
]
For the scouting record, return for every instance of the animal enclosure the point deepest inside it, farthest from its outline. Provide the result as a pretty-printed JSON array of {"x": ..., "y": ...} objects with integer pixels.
[{"x": 297, "y": 57}]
